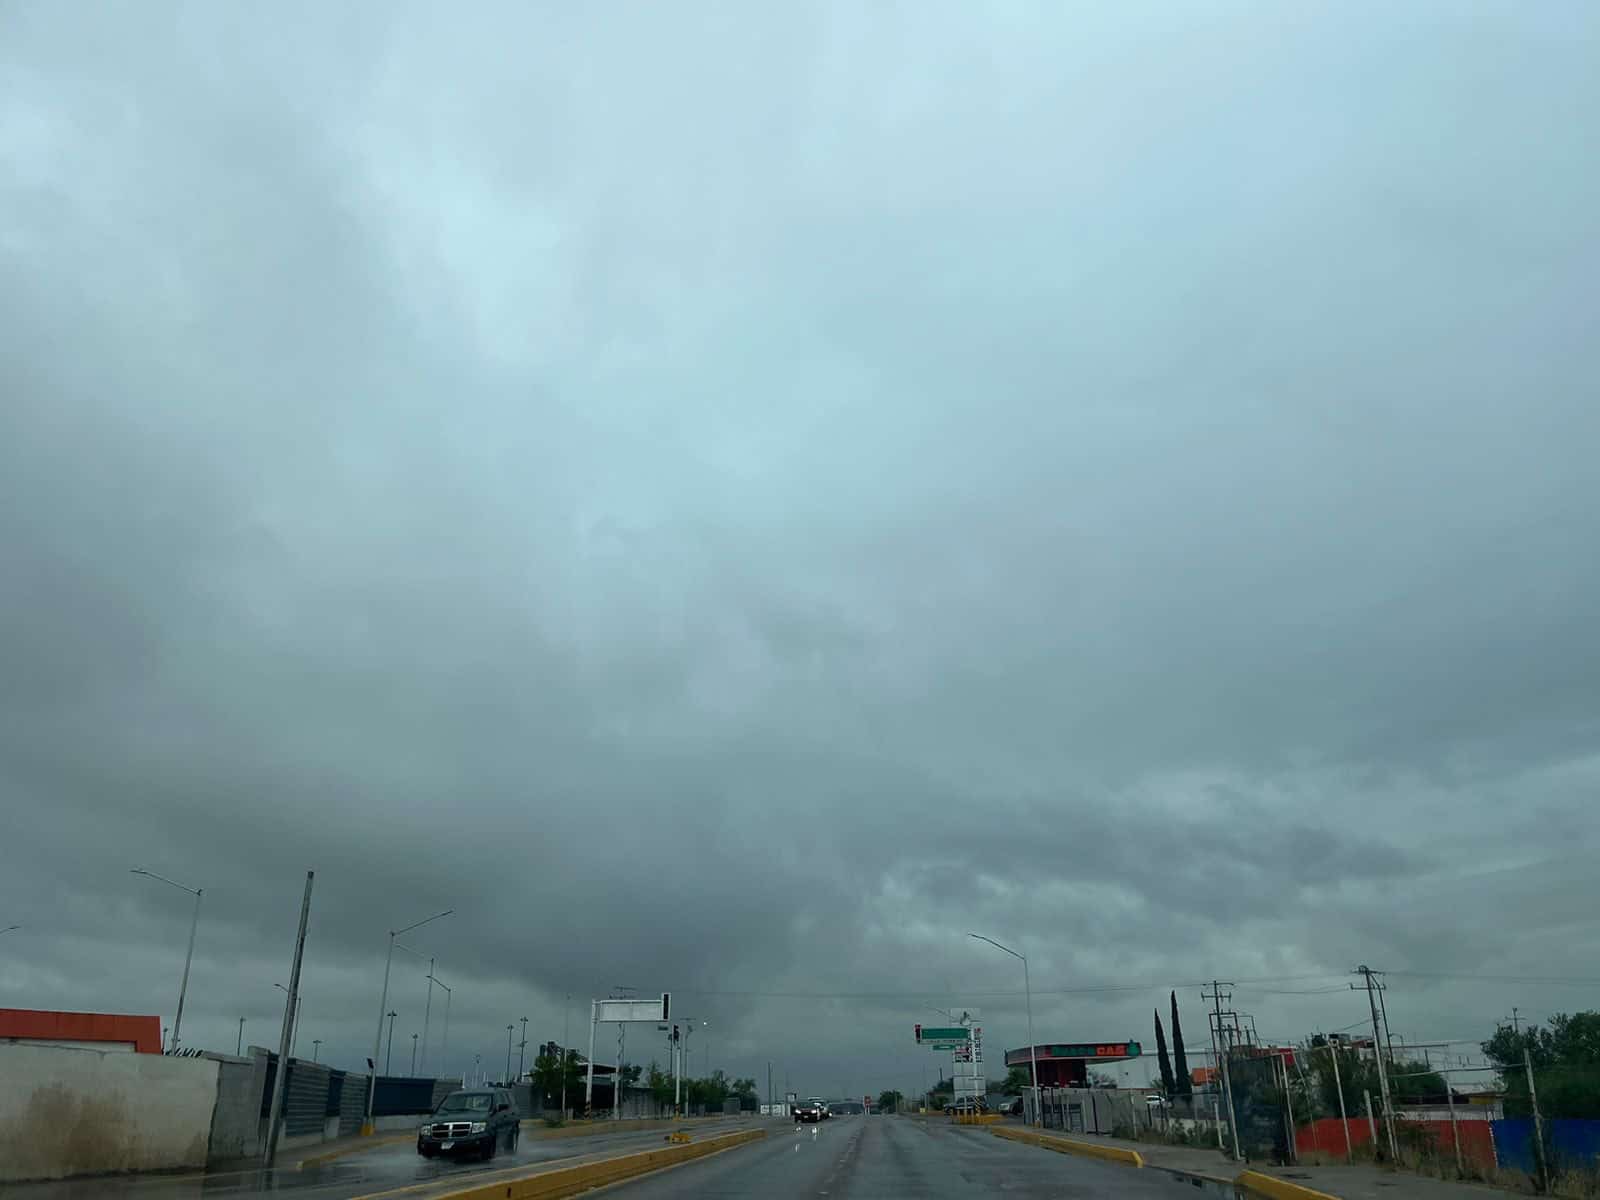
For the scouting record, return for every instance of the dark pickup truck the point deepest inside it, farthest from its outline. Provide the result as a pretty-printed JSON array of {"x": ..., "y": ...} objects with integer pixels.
[{"x": 472, "y": 1121}]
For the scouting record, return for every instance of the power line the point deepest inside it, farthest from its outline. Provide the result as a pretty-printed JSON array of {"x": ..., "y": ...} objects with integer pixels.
[
  {"x": 991, "y": 995},
  {"x": 1576, "y": 981}
]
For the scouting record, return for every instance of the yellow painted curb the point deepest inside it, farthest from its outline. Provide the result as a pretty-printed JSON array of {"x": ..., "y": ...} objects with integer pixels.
[
  {"x": 1278, "y": 1189},
  {"x": 570, "y": 1181},
  {"x": 1116, "y": 1154},
  {"x": 978, "y": 1118}
]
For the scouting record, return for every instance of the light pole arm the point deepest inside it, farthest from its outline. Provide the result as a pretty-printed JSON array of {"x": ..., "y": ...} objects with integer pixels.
[
  {"x": 182, "y": 887},
  {"x": 1027, "y": 993}
]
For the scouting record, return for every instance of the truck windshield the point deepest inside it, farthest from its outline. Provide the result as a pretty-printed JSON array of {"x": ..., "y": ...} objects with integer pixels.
[{"x": 465, "y": 1102}]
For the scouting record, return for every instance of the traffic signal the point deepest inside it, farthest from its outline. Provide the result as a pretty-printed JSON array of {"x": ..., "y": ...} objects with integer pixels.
[
  {"x": 919, "y": 1034},
  {"x": 674, "y": 1033}
]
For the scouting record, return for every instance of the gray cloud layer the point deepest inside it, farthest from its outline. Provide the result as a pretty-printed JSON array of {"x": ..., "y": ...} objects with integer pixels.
[{"x": 733, "y": 501}]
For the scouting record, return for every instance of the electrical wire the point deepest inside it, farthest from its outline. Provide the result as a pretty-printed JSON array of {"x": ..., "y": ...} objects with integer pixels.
[{"x": 1087, "y": 990}]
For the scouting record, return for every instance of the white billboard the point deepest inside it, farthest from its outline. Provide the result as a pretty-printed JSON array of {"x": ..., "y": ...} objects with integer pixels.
[{"x": 633, "y": 1010}]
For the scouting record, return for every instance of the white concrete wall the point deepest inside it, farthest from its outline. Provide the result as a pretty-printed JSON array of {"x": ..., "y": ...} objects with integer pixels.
[
  {"x": 238, "y": 1112},
  {"x": 79, "y": 1112}
]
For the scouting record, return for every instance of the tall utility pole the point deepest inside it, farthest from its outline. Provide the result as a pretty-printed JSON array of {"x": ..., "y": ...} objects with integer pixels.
[
  {"x": 1388, "y": 1038},
  {"x": 509, "y": 1029},
  {"x": 522, "y": 1047},
  {"x": 769, "y": 1087},
  {"x": 413, "y": 1056},
  {"x": 444, "y": 1042},
  {"x": 1218, "y": 995},
  {"x": 388, "y": 1059},
  {"x": 285, "y": 1041},
  {"x": 239, "y": 1049},
  {"x": 1378, "y": 1052},
  {"x": 316, "y": 1049},
  {"x": 566, "y": 1035}
]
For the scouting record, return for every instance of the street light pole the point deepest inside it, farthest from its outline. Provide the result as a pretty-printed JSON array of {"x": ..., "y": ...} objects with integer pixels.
[
  {"x": 428, "y": 1006},
  {"x": 194, "y": 923},
  {"x": 388, "y": 1058},
  {"x": 316, "y": 1048},
  {"x": 522, "y": 1047},
  {"x": 383, "y": 1004},
  {"x": 239, "y": 1049},
  {"x": 1027, "y": 993},
  {"x": 444, "y": 1041},
  {"x": 509, "y": 1028},
  {"x": 427, "y": 1011},
  {"x": 566, "y": 1033},
  {"x": 413, "y": 1056}
]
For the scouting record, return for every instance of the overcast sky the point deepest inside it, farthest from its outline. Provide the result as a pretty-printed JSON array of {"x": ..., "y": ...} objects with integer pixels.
[{"x": 731, "y": 499}]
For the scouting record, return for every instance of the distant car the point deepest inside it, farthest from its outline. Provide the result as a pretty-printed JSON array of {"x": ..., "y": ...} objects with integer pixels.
[
  {"x": 827, "y": 1110},
  {"x": 1013, "y": 1107},
  {"x": 810, "y": 1112},
  {"x": 476, "y": 1121}
]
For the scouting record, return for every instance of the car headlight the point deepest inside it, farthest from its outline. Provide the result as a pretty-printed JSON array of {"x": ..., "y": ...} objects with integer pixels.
[
  {"x": 480, "y": 1126},
  {"x": 427, "y": 1130}
]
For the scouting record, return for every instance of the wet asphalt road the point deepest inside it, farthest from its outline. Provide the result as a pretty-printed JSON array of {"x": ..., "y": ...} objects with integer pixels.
[
  {"x": 880, "y": 1158},
  {"x": 380, "y": 1169}
]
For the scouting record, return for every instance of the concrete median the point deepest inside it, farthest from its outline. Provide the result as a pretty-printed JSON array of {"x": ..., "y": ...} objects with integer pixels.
[{"x": 571, "y": 1181}]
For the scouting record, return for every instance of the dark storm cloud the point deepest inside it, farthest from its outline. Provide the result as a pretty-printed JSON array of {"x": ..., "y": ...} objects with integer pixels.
[{"x": 734, "y": 504}]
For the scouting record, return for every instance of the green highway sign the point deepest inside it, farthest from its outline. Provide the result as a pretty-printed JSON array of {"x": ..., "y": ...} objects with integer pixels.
[
  {"x": 944, "y": 1045},
  {"x": 931, "y": 1034}
]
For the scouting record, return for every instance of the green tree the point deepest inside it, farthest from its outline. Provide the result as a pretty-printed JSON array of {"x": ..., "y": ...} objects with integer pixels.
[
  {"x": 1017, "y": 1081},
  {"x": 1169, "y": 1086},
  {"x": 711, "y": 1092},
  {"x": 1355, "y": 1075},
  {"x": 661, "y": 1086},
  {"x": 1412, "y": 1082},
  {"x": 547, "y": 1078},
  {"x": 889, "y": 1101},
  {"x": 1566, "y": 1065},
  {"x": 1180, "y": 1062}
]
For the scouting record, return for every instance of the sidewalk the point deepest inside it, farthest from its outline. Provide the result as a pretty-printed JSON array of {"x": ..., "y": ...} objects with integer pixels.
[{"x": 1359, "y": 1182}]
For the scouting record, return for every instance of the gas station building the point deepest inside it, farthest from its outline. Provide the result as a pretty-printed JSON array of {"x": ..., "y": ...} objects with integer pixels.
[{"x": 1067, "y": 1064}]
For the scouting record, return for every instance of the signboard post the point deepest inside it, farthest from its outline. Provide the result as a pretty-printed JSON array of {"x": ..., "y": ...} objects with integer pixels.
[
  {"x": 622, "y": 1012},
  {"x": 965, "y": 1043}
]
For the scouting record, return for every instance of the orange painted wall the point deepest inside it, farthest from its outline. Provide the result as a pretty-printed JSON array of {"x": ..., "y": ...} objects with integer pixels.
[
  {"x": 1325, "y": 1135},
  {"x": 43, "y": 1025}
]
